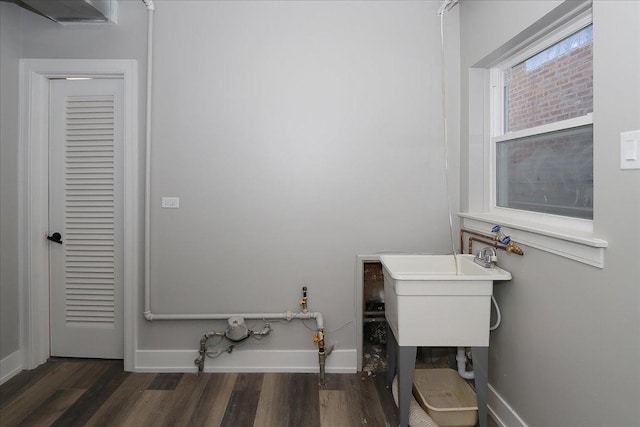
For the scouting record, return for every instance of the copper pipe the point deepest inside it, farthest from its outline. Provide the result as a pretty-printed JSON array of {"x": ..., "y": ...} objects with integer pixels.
[
  {"x": 511, "y": 247},
  {"x": 474, "y": 233},
  {"x": 493, "y": 244}
]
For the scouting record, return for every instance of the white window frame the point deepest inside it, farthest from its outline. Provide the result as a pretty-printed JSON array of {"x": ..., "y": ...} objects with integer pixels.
[
  {"x": 569, "y": 237},
  {"x": 497, "y": 134}
]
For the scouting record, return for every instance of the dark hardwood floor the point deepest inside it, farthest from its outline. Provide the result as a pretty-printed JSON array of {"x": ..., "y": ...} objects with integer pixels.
[{"x": 68, "y": 392}]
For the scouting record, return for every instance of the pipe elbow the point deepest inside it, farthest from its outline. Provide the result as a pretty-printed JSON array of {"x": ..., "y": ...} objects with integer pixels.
[
  {"x": 149, "y": 5},
  {"x": 461, "y": 358},
  {"x": 319, "y": 320},
  {"x": 148, "y": 316}
]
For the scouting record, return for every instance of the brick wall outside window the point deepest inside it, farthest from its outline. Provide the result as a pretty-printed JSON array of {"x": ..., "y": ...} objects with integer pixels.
[{"x": 556, "y": 90}]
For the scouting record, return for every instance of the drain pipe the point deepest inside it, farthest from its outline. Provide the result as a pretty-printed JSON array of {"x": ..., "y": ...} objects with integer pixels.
[{"x": 461, "y": 358}]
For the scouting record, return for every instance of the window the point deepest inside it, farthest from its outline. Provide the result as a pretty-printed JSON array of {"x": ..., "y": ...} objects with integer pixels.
[
  {"x": 531, "y": 137},
  {"x": 542, "y": 136}
]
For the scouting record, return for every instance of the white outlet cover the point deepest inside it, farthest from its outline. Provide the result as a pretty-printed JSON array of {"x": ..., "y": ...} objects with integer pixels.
[{"x": 171, "y": 202}]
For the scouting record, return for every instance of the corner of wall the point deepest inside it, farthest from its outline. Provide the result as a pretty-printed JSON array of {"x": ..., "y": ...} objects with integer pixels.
[{"x": 10, "y": 366}]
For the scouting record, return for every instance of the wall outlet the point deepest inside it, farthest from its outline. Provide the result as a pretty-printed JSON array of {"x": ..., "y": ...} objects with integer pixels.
[{"x": 171, "y": 202}]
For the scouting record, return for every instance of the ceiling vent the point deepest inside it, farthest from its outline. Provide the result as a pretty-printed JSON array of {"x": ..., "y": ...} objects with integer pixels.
[{"x": 66, "y": 11}]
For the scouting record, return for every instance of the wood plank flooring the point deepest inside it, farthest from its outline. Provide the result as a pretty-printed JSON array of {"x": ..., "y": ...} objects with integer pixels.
[{"x": 74, "y": 392}]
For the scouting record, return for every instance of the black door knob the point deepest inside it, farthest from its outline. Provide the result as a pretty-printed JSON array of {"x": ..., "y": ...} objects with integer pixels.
[{"x": 55, "y": 237}]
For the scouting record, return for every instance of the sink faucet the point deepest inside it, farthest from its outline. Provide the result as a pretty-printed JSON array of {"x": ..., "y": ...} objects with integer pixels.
[{"x": 487, "y": 257}]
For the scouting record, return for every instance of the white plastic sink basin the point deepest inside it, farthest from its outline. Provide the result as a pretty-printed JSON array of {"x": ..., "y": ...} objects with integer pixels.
[
  {"x": 430, "y": 303},
  {"x": 407, "y": 270}
]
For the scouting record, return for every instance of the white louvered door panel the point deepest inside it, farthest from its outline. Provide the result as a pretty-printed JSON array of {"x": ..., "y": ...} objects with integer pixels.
[{"x": 85, "y": 207}]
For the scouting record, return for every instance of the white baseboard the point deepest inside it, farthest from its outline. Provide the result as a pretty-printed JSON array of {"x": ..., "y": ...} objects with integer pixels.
[
  {"x": 501, "y": 412},
  {"x": 10, "y": 366},
  {"x": 339, "y": 361}
]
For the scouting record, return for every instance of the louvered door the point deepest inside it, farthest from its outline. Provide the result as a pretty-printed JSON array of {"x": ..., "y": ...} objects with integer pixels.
[{"x": 85, "y": 207}]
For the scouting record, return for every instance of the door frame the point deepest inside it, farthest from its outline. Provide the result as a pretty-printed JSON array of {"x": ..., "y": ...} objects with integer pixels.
[{"x": 33, "y": 188}]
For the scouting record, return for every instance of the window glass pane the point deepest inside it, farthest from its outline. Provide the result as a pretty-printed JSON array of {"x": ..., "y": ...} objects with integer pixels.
[
  {"x": 550, "y": 173},
  {"x": 555, "y": 84}
]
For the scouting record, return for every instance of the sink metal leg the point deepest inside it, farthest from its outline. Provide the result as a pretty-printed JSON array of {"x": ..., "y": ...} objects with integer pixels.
[
  {"x": 481, "y": 379},
  {"x": 392, "y": 356},
  {"x": 401, "y": 359},
  {"x": 406, "y": 368}
]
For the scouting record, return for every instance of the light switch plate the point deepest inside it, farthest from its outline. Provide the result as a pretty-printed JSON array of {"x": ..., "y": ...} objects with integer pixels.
[
  {"x": 630, "y": 150},
  {"x": 171, "y": 202}
]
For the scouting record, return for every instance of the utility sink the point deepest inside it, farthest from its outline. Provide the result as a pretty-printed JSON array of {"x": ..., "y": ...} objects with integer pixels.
[{"x": 439, "y": 300}]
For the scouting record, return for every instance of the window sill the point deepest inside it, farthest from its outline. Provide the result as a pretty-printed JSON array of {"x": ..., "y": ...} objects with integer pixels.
[{"x": 578, "y": 246}]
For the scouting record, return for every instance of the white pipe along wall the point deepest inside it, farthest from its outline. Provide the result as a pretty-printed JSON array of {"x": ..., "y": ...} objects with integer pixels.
[
  {"x": 148, "y": 314},
  {"x": 147, "y": 166}
]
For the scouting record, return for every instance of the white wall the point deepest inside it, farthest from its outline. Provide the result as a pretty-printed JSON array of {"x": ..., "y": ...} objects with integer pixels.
[
  {"x": 296, "y": 134},
  {"x": 567, "y": 351},
  {"x": 9, "y": 54}
]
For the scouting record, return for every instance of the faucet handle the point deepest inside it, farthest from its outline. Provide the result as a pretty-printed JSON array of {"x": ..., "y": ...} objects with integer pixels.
[
  {"x": 489, "y": 255},
  {"x": 486, "y": 257}
]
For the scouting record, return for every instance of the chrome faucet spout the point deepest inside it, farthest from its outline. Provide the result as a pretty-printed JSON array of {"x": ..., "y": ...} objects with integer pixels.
[{"x": 487, "y": 257}]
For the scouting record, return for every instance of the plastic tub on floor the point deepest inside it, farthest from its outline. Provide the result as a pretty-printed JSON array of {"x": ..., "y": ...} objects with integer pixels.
[{"x": 446, "y": 397}]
